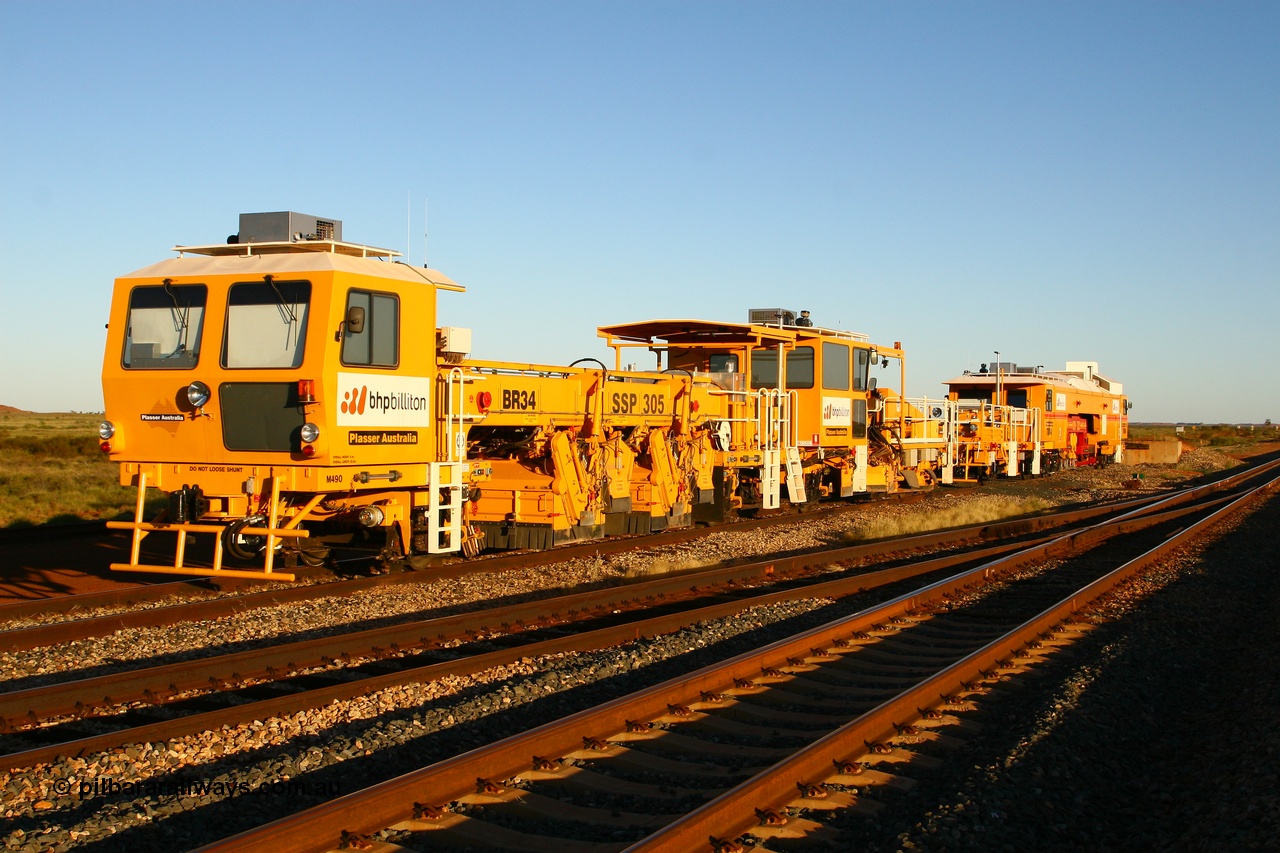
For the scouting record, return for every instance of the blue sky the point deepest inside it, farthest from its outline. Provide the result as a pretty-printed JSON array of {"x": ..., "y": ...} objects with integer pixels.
[{"x": 1056, "y": 181}]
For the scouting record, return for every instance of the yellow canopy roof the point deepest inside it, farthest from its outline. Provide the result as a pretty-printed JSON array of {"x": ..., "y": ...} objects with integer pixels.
[{"x": 695, "y": 332}]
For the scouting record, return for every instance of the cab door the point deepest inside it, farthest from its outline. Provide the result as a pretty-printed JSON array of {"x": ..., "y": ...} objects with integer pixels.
[{"x": 837, "y": 409}]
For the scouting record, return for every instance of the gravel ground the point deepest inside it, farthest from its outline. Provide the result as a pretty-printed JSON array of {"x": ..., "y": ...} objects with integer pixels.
[
  {"x": 263, "y": 627},
  {"x": 142, "y": 797},
  {"x": 315, "y": 755}
]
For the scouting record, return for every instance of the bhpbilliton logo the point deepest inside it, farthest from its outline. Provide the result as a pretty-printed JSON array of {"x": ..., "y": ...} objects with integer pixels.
[{"x": 353, "y": 401}]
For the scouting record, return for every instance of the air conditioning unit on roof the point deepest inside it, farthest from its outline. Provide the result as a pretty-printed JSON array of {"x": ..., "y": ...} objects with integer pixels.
[{"x": 771, "y": 316}]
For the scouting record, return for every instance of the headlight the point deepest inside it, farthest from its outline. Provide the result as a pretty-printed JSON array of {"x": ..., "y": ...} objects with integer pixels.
[
  {"x": 309, "y": 432},
  {"x": 106, "y": 429},
  {"x": 198, "y": 393}
]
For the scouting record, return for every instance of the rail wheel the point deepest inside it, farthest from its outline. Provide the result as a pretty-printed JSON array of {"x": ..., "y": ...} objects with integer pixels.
[{"x": 311, "y": 553}]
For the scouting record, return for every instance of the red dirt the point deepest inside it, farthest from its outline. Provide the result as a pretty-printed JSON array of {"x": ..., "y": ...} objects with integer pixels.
[{"x": 48, "y": 569}]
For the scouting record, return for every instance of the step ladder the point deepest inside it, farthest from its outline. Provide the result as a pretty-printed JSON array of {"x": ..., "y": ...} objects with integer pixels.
[
  {"x": 444, "y": 507},
  {"x": 795, "y": 477},
  {"x": 771, "y": 480}
]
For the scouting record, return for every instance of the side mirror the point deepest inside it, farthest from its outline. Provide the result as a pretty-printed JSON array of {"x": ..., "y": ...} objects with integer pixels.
[
  {"x": 871, "y": 384},
  {"x": 355, "y": 319},
  {"x": 875, "y": 357}
]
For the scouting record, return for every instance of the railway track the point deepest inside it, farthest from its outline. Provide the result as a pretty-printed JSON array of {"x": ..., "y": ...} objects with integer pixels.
[
  {"x": 264, "y": 708},
  {"x": 762, "y": 743},
  {"x": 136, "y": 614},
  {"x": 90, "y": 697},
  {"x": 152, "y": 595},
  {"x": 359, "y": 660},
  {"x": 376, "y": 674},
  {"x": 251, "y": 593},
  {"x": 70, "y": 618}
]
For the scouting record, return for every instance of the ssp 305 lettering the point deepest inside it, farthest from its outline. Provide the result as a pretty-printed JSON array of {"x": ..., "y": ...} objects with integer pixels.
[{"x": 640, "y": 404}]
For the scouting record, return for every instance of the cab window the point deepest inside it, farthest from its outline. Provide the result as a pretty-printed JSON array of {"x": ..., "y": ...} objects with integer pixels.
[
  {"x": 859, "y": 418},
  {"x": 973, "y": 397},
  {"x": 764, "y": 368},
  {"x": 720, "y": 362},
  {"x": 378, "y": 343},
  {"x": 835, "y": 367},
  {"x": 266, "y": 324},
  {"x": 861, "y": 366},
  {"x": 800, "y": 368},
  {"x": 165, "y": 322}
]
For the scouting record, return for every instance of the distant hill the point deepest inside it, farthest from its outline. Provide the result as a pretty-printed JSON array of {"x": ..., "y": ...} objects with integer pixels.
[{"x": 10, "y": 410}]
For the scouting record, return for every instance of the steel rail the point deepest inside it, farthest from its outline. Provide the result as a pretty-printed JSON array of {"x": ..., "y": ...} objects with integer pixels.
[
  {"x": 156, "y": 591},
  {"x": 32, "y": 637},
  {"x": 306, "y": 699},
  {"x": 153, "y": 592},
  {"x": 584, "y": 641},
  {"x": 19, "y": 639},
  {"x": 733, "y": 812},
  {"x": 89, "y": 600},
  {"x": 290, "y": 593},
  {"x": 74, "y": 697},
  {"x": 384, "y": 804},
  {"x": 20, "y": 709},
  {"x": 594, "y": 639}
]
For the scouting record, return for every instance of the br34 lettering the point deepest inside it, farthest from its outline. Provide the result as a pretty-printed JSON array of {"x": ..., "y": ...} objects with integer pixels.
[
  {"x": 638, "y": 404},
  {"x": 514, "y": 398}
]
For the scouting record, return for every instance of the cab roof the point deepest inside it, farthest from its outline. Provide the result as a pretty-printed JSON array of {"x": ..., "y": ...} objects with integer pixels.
[
  {"x": 696, "y": 332},
  {"x": 278, "y": 247},
  {"x": 1019, "y": 380},
  {"x": 258, "y": 259}
]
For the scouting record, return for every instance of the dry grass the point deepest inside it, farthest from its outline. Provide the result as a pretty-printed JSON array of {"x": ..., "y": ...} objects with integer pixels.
[
  {"x": 53, "y": 471},
  {"x": 668, "y": 565},
  {"x": 70, "y": 427},
  {"x": 1208, "y": 435},
  {"x": 985, "y": 510}
]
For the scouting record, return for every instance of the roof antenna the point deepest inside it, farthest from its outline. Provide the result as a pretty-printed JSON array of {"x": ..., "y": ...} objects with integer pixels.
[
  {"x": 425, "y": 223},
  {"x": 408, "y": 225}
]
